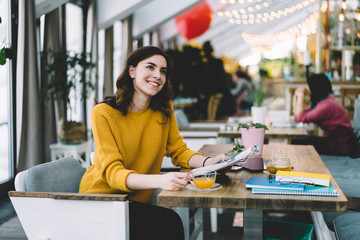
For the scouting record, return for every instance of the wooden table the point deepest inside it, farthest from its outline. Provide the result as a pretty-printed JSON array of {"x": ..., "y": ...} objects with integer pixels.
[
  {"x": 274, "y": 132},
  {"x": 233, "y": 193}
]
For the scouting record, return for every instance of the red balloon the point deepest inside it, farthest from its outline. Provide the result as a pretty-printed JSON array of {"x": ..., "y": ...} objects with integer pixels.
[{"x": 195, "y": 21}]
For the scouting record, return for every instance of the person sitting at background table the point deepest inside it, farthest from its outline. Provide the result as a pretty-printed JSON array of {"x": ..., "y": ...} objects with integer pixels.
[
  {"x": 329, "y": 114},
  {"x": 242, "y": 91},
  {"x": 133, "y": 129}
]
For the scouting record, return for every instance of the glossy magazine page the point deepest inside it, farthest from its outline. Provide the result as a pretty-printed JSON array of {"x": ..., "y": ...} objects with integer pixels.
[{"x": 239, "y": 157}]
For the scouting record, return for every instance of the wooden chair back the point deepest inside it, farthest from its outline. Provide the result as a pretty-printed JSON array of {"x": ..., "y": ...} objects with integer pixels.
[
  {"x": 292, "y": 93},
  {"x": 213, "y": 105},
  {"x": 348, "y": 97}
]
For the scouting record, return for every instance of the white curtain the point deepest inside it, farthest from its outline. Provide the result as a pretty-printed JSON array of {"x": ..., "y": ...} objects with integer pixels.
[
  {"x": 28, "y": 112},
  {"x": 51, "y": 111},
  {"x": 109, "y": 62},
  {"x": 156, "y": 38}
]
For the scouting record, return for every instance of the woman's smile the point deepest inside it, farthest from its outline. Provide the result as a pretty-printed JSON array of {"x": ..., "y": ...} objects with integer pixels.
[{"x": 153, "y": 83}]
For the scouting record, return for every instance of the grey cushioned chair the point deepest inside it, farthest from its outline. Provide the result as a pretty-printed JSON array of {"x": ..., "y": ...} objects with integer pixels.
[
  {"x": 59, "y": 176},
  {"x": 49, "y": 206}
]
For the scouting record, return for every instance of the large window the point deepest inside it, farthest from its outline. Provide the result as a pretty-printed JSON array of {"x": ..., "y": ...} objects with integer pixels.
[
  {"x": 74, "y": 31},
  {"x": 6, "y": 158}
]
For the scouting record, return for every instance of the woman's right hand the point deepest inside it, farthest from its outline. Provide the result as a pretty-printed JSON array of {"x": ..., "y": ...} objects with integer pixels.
[
  {"x": 302, "y": 91},
  {"x": 174, "y": 180}
]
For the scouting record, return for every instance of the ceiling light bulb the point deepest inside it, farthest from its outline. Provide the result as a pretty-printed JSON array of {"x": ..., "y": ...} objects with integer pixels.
[
  {"x": 343, "y": 4},
  {"x": 341, "y": 15},
  {"x": 357, "y": 14},
  {"x": 323, "y": 7}
]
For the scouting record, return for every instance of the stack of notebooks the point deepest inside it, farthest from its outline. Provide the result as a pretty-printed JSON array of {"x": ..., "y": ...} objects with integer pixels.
[{"x": 321, "y": 185}]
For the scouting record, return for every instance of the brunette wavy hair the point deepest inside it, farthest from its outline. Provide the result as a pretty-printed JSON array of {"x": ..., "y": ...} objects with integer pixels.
[
  {"x": 320, "y": 87},
  {"x": 125, "y": 86}
]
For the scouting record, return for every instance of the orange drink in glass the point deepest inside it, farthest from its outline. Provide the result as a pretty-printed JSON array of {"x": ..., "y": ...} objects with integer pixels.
[{"x": 204, "y": 181}]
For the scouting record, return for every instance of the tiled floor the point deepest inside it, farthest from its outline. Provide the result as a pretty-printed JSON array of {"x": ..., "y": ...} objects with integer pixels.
[{"x": 11, "y": 229}]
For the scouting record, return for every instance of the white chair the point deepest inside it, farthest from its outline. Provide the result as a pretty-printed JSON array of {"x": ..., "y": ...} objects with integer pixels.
[{"x": 49, "y": 206}]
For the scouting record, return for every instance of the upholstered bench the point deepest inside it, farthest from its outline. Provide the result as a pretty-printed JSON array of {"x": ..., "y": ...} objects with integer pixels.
[
  {"x": 346, "y": 172},
  {"x": 347, "y": 225}
]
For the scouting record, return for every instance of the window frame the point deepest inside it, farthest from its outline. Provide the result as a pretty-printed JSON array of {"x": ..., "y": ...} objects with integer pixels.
[{"x": 8, "y": 185}]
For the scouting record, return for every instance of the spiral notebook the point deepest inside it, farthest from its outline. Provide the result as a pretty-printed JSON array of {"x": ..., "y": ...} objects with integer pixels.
[
  {"x": 265, "y": 183},
  {"x": 312, "y": 190}
]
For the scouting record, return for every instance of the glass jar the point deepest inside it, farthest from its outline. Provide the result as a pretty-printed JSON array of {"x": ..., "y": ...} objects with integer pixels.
[{"x": 279, "y": 162}]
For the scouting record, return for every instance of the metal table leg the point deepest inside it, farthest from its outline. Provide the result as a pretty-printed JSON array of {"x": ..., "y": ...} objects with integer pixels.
[{"x": 253, "y": 224}]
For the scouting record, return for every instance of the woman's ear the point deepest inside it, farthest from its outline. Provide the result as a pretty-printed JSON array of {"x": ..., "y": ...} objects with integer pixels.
[{"x": 131, "y": 71}]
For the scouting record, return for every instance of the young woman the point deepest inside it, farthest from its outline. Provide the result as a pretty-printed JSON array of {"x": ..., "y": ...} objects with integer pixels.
[
  {"x": 133, "y": 130},
  {"x": 329, "y": 114}
]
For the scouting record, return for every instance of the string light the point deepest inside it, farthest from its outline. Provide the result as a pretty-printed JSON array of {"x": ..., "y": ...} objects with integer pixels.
[
  {"x": 263, "y": 42},
  {"x": 357, "y": 14},
  {"x": 245, "y": 14},
  {"x": 323, "y": 7},
  {"x": 341, "y": 15},
  {"x": 343, "y": 4}
]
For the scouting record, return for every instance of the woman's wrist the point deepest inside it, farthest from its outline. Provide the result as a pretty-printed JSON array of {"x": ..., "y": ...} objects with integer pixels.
[{"x": 205, "y": 161}]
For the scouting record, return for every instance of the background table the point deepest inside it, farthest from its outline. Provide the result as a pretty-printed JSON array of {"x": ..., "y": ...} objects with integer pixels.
[
  {"x": 284, "y": 133},
  {"x": 79, "y": 151},
  {"x": 233, "y": 194}
]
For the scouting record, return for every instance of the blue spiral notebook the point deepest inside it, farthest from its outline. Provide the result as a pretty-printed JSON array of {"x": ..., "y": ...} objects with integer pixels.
[
  {"x": 266, "y": 183},
  {"x": 312, "y": 190}
]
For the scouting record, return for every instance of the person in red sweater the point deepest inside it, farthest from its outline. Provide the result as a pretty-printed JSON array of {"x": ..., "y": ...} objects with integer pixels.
[{"x": 329, "y": 115}]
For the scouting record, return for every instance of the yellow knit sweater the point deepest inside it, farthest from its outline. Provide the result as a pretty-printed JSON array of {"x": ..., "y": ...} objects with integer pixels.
[{"x": 132, "y": 143}]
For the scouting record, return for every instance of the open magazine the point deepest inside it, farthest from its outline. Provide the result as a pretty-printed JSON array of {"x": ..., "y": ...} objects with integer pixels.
[{"x": 237, "y": 158}]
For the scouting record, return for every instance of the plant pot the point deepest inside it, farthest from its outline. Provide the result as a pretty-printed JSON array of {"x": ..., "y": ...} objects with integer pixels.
[
  {"x": 258, "y": 114},
  {"x": 253, "y": 136},
  {"x": 71, "y": 132}
]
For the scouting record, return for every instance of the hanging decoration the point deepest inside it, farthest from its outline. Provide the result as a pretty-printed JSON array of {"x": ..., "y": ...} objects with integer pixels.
[
  {"x": 195, "y": 21},
  {"x": 260, "y": 42},
  {"x": 258, "y": 12}
]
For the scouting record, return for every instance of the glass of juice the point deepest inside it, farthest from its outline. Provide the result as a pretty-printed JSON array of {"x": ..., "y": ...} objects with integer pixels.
[{"x": 204, "y": 181}]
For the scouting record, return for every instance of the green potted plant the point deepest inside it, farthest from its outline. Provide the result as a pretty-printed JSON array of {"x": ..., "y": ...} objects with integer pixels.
[
  {"x": 6, "y": 52},
  {"x": 237, "y": 147},
  {"x": 67, "y": 71},
  {"x": 258, "y": 110},
  {"x": 253, "y": 134}
]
